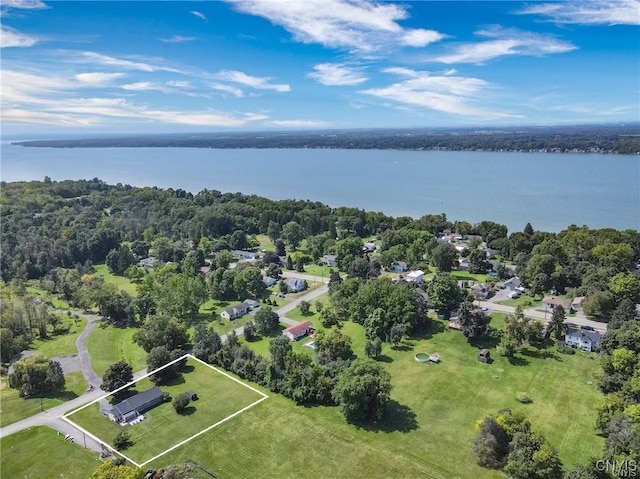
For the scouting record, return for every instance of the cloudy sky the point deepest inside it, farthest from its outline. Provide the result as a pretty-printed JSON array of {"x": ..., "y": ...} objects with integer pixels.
[{"x": 107, "y": 67}]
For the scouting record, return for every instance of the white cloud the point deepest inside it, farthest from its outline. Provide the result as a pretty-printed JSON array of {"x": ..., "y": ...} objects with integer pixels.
[
  {"x": 45, "y": 98},
  {"x": 420, "y": 37},
  {"x": 200, "y": 15},
  {"x": 97, "y": 78},
  {"x": 106, "y": 60},
  {"x": 178, "y": 39},
  {"x": 300, "y": 123},
  {"x": 24, "y": 4},
  {"x": 504, "y": 42},
  {"x": 10, "y": 37},
  {"x": 337, "y": 74},
  {"x": 179, "y": 83},
  {"x": 260, "y": 83},
  {"x": 445, "y": 93},
  {"x": 589, "y": 12},
  {"x": 401, "y": 71},
  {"x": 237, "y": 92},
  {"x": 357, "y": 25},
  {"x": 144, "y": 86}
]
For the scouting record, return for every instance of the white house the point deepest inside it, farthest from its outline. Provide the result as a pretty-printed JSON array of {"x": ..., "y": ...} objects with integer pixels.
[
  {"x": 415, "y": 277},
  {"x": 369, "y": 247},
  {"x": 330, "y": 260},
  {"x": 236, "y": 311},
  {"x": 298, "y": 331},
  {"x": 585, "y": 340}
]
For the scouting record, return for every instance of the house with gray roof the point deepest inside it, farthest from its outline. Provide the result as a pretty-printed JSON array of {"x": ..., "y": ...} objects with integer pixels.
[
  {"x": 583, "y": 339},
  {"x": 129, "y": 409},
  {"x": 236, "y": 311},
  {"x": 296, "y": 285}
]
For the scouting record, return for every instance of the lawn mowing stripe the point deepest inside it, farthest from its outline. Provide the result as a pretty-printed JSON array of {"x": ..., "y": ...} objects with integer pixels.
[{"x": 206, "y": 430}]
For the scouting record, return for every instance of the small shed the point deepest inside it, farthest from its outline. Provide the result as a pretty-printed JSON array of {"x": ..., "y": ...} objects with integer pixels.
[
  {"x": 484, "y": 356},
  {"x": 191, "y": 396}
]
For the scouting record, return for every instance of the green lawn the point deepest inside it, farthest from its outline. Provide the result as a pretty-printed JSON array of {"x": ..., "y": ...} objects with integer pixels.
[
  {"x": 524, "y": 300},
  {"x": 108, "y": 345},
  {"x": 40, "y": 452},
  {"x": 219, "y": 397},
  {"x": 319, "y": 271},
  {"x": 14, "y": 408},
  {"x": 265, "y": 243},
  {"x": 429, "y": 429},
  {"x": 120, "y": 281},
  {"x": 61, "y": 344}
]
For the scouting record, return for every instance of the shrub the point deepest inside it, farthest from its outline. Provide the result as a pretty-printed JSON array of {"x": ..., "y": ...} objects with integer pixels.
[
  {"x": 564, "y": 348},
  {"x": 180, "y": 403},
  {"x": 122, "y": 441},
  {"x": 523, "y": 398}
]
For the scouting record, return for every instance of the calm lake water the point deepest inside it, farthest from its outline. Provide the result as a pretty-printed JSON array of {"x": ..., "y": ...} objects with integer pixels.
[{"x": 551, "y": 191}]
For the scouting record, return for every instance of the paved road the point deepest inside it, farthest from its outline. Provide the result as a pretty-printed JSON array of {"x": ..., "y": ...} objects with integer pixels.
[
  {"x": 83, "y": 354},
  {"x": 541, "y": 315}
]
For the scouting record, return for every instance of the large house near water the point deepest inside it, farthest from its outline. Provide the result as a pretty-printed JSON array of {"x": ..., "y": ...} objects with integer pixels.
[{"x": 129, "y": 409}]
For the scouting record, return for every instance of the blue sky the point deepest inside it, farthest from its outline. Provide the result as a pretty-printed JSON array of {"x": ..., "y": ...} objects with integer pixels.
[{"x": 128, "y": 67}]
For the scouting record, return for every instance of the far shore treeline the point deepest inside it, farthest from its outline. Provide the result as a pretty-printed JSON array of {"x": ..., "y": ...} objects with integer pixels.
[
  {"x": 49, "y": 224},
  {"x": 616, "y": 139}
]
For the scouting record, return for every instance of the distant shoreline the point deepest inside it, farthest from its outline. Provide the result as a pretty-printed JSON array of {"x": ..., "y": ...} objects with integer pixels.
[{"x": 623, "y": 140}]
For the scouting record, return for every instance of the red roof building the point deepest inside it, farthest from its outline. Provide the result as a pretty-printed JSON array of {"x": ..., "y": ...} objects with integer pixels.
[{"x": 298, "y": 331}]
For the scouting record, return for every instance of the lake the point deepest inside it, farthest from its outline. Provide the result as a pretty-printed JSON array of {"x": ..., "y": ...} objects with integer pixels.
[{"x": 551, "y": 191}]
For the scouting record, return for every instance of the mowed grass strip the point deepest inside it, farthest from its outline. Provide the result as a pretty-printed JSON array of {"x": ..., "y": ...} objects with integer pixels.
[
  {"x": 120, "y": 281},
  {"x": 40, "y": 452},
  {"x": 162, "y": 428},
  {"x": 14, "y": 408},
  {"x": 109, "y": 344}
]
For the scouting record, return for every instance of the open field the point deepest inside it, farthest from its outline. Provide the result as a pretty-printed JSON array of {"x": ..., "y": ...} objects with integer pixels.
[
  {"x": 40, "y": 452},
  {"x": 163, "y": 428},
  {"x": 433, "y": 411},
  {"x": 265, "y": 243},
  {"x": 322, "y": 272},
  {"x": 35, "y": 290},
  {"x": 120, "y": 281},
  {"x": 15, "y": 408},
  {"x": 108, "y": 345},
  {"x": 62, "y": 343}
]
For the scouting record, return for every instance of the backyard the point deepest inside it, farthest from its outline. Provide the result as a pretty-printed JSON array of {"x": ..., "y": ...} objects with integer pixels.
[{"x": 162, "y": 428}]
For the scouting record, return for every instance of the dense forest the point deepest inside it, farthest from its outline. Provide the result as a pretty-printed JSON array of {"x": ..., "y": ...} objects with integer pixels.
[{"x": 621, "y": 139}]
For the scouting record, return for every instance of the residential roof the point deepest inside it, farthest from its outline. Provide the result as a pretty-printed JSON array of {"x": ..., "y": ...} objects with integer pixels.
[
  {"x": 578, "y": 300},
  {"x": 593, "y": 336},
  {"x": 415, "y": 274},
  {"x": 299, "y": 328},
  {"x": 296, "y": 283},
  {"x": 556, "y": 301},
  {"x": 139, "y": 400}
]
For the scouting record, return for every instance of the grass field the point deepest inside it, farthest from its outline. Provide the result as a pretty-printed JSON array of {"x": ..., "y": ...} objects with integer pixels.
[
  {"x": 319, "y": 271},
  {"x": 431, "y": 416},
  {"x": 265, "y": 243},
  {"x": 40, "y": 452},
  {"x": 61, "y": 344},
  {"x": 162, "y": 428},
  {"x": 120, "y": 281},
  {"x": 524, "y": 300},
  {"x": 108, "y": 345},
  {"x": 14, "y": 408}
]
